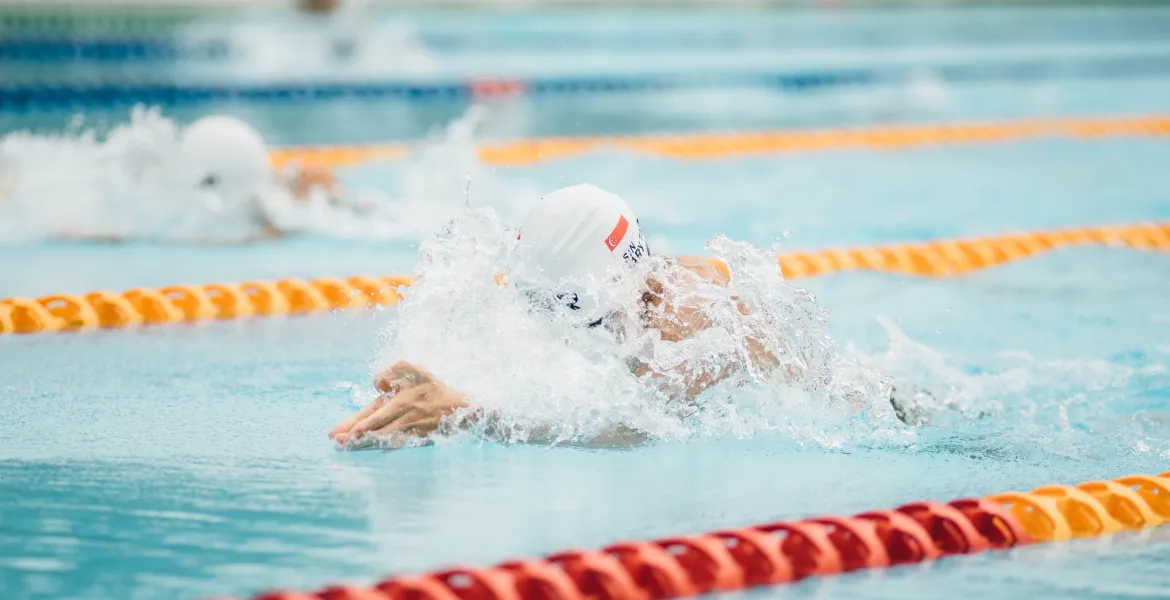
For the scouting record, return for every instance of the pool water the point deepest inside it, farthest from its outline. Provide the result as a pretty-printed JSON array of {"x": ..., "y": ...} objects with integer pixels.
[{"x": 191, "y": 461}]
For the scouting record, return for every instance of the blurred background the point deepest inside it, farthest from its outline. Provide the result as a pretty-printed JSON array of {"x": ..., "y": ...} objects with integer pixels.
[{"x": 344, "y": 71}]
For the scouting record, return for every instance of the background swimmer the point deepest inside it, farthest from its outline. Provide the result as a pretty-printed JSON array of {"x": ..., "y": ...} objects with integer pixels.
[
  {"x": 210, "y": 182},
  {"x": 230, "y": 167},
  {"x": 583, "y": 258}
]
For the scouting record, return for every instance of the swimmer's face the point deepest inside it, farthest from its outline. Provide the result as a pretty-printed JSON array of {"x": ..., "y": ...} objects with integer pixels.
[
  {"x": 566, "y": 304},
  {"x": 220, "y": 196},
  {"x": 653, "y": 308},
  {"x": 226, "y": 160}
]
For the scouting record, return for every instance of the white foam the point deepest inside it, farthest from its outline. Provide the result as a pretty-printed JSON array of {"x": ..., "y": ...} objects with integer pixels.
[
  {"x": 133, "y": 183},
  {"x": 77, "y": 185},
  {"x": 545, "y": 379},
  {"x": 542, "y": 377}
]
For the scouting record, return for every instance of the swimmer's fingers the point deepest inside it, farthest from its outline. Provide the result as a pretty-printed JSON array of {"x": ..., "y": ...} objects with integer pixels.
[
  {"x": 345, "y": 425},
  {"x": 422, "y": 410},
  {"x": 387, "y": 413},
  {"x": 365, "y": 442},
  {"x": 344, "y": 442}
]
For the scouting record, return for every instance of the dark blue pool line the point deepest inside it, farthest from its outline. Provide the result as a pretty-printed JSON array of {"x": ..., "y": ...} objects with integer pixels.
[
  {"x": 34, "y": 96},
  {"x": 51, "y": 50},
  {"x": 95, "y": 94}
]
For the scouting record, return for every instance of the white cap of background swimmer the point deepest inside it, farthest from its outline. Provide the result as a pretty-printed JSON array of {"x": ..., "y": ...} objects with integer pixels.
[
  {"x": 228, "y": 158},
  {"x": 576, "y": 240}
]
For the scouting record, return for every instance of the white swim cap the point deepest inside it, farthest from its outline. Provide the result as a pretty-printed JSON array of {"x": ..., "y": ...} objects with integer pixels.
[
  {"x": 577, "y": 240},
  {"x": 228, "y": 157}
]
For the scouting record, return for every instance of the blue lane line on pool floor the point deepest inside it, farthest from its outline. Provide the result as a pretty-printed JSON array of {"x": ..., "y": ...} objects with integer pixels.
[
  {"x": 50, "y": 50},
  {"x": 31, "y": 96}
]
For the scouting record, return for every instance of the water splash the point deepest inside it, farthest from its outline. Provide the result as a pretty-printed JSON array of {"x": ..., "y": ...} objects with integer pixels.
[
  {"x": 76, "y": 185},
  {"x": 1014, "y": 404},
  {"x": 781, "y": 374},
  {"x": 543, "y": 377},
  {"x": 444, "y": 175},
  {"x": 134, "y": 184}
]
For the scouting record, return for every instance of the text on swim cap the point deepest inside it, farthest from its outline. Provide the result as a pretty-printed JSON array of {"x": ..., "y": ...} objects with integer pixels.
[{"x": 635, "y": 250}]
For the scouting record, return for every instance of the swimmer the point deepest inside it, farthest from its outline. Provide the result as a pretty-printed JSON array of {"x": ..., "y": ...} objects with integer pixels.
[
  {"x": 228, "y": 163},
  {"x": 209, "y": 182},
  {"x": 572, "y": 235}
]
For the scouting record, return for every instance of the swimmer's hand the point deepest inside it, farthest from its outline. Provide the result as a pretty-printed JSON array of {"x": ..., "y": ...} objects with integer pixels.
[{"x": 411, "y": 402}]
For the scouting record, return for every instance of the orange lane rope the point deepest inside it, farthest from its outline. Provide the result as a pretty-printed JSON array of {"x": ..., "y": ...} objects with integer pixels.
[
  {"x": 718, "y": 145},
  {"x": 63, "y": 312},
  {"x": 783, "y": 552},
  {"x": 956, "y": 257}
]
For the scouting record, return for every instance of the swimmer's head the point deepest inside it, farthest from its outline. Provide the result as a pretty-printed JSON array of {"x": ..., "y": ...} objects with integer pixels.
[
  {"x": 228, "y": 157},
  {"x": 576, "y": 242}
]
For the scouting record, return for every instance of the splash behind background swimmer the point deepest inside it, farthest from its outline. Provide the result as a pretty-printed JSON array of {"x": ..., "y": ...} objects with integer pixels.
[
  {"x": 151, "y": 179},
  {"x": 208, "y": 182}
]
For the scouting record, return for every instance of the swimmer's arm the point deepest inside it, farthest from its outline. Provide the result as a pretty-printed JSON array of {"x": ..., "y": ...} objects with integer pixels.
[
  {"x": 716, "y": 271},
  {"x": 270, "y": 232},
  {"x": 694, "y": 383},
  {"x": 691, "y": 382},
  {"x": 763, "y": 360},
  {"x": 302, "y": 179}
]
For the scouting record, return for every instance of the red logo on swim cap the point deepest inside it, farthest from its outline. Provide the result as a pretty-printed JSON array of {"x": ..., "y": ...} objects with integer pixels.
[{"x": 619, "y": 232}]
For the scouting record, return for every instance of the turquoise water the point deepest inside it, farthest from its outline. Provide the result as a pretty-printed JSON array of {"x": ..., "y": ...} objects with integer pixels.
[{"x": 190, "y": 461}]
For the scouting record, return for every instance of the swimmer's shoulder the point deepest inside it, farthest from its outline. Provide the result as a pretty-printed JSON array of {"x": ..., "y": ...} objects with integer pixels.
[{"x": 711, "y": 269}]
